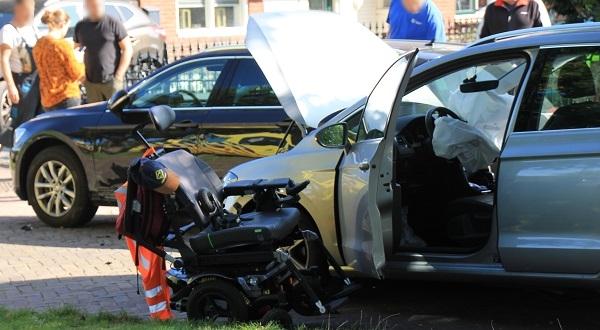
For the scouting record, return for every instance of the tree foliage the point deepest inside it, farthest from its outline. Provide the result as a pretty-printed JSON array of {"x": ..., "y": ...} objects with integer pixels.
[{"x": 576, "y": 10}]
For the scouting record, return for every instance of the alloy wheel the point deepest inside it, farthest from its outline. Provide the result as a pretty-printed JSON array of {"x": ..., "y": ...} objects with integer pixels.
[
  {"x": 54, "y": 188},
  {"x": 5, "y": 107}
]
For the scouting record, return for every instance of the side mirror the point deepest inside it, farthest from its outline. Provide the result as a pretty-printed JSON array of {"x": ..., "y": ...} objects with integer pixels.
[
  {"x": 162, "y": 116},
  {"x": 333, "y": 136},
  {"x": 118, "y": 101}
]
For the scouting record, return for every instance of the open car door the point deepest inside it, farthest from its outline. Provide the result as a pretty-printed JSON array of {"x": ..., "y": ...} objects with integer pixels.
[{"x": 363, "y": 189}]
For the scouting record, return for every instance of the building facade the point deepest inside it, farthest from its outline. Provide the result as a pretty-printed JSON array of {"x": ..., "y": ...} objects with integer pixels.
[{"x": 224, "y": 21}]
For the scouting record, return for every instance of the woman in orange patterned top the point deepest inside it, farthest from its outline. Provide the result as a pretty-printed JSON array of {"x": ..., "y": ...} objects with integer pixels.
[{"x": 60, "y": 72}]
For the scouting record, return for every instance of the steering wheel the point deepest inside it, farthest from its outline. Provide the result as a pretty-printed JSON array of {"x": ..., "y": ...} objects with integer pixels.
[
  {"x": 190, "y": 94},
  {"x": 441, "y": 112}
]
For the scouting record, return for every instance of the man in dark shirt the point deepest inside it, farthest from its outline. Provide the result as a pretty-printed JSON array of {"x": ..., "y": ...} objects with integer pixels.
[
  {"x": 507, "y": 15},
  {"x": 107, "y": 54}
]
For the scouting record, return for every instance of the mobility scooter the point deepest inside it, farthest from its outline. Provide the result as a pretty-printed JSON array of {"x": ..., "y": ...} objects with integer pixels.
[{"x": 231, "y": 267}]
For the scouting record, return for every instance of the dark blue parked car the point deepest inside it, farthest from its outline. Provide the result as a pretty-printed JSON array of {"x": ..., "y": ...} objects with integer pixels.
[{"x": 68, "y": 162}]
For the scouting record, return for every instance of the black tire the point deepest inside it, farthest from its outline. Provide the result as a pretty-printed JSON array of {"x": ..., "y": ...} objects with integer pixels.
[
  {"x": 5, "y": 116},
  {"x": 81, "y": 209},
  {"x": 216, "y": 299},
  {"x": 5, "y": 105},
  {"x": 277, "y": 316}
]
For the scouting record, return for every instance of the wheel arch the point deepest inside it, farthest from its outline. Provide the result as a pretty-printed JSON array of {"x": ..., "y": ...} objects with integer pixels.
[{"x": 41, "y": 143}]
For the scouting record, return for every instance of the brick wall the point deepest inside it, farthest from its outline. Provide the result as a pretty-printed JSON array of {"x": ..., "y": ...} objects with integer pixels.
[
  {"x": 168, "y": 18},
  {"x": 255, "y": 6},
  {"x": 447, "y": 7},
  {"x": 369, "y": 13},
  {"x": 181, "y": 46}
]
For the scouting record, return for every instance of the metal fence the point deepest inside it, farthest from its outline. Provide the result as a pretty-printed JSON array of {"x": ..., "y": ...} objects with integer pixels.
[
  {"x": 459, "y": 30},
  {"x": 143, "y": 65},
  {"x": 463, "y": 30},
  {"x": 146, "y": 63}
]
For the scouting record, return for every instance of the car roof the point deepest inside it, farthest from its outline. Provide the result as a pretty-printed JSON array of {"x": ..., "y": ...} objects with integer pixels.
[
  {"x": 236, "y": 50},
  {"x": 551, "y": 32},
  {"x": 441, "y": 48},
  {"x": 566, "y": 34},
  {"x": 583, "y": 33},
  {"x": 229, "y": 51}
]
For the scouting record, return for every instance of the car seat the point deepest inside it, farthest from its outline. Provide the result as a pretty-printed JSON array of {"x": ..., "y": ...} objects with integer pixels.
[{"x": 575, "y": 81}]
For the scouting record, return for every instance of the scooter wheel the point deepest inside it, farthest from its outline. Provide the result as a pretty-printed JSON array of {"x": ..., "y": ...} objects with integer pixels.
[
  {"x": 277, "y": 316},
  {"x": 216, "y": 300}
]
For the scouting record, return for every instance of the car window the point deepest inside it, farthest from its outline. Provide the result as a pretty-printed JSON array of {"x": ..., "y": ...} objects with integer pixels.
[
  {"x": 126, "y": 13},
  {"x": 353, "y": 122},
  {"x": 486, "y": 109},
  {"x": 249, "y": 87},
  {"x": 565, "y": 93},
  {"x": 112, "y": 11},
  {"x": 181, "y": 87},
  {"x": 380, "y": 102}
]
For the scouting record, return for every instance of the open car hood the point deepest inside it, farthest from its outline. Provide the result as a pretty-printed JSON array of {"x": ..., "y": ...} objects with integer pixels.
[{"x": 317, "y": 62}]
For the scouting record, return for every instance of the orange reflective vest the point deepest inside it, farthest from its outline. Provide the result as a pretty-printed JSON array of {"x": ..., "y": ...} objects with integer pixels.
[{"x": 151, "y": 268}]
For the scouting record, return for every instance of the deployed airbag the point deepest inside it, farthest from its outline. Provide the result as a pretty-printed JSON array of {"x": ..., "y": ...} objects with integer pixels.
[{"x": 453, "y": 138}]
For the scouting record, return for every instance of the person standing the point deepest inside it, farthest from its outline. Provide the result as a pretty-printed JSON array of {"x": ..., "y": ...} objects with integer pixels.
[
  {"x": 17, "y": 38},
  {"x": 508, "y": 15},
  {"x": 58, "y": 68},
  {"x": 16, "y": 66},
  {"x": 108, "y": 51},
  {"x": 416, "y": 20}
]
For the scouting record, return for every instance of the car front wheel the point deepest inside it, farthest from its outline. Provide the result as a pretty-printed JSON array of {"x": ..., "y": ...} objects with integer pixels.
[
  {"x": 57, "y": 189},
  {"x": 5, "y": 108}
]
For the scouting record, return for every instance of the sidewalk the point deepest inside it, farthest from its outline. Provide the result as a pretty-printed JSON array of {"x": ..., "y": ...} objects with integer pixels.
[
  {"x": 43, "y": 267},
  {"x": 5, "y": 177}
]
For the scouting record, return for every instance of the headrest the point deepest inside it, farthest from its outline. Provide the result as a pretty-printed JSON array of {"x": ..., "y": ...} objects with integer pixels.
[
  {"x": 193, "y": 175},
  {"x": 575, "y": 79}
]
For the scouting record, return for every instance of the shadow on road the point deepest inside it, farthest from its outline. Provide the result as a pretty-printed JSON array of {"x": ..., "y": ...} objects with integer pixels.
[
  {"x": 98, "y": 234},
  {"x": 422, "y": 305},
  {"x": 382, "y": 305}
]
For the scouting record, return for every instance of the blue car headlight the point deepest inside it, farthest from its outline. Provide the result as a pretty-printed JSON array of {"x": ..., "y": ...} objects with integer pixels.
[
  {"x": 18, "y": 135},
  {"x": 229, "y": 177}
]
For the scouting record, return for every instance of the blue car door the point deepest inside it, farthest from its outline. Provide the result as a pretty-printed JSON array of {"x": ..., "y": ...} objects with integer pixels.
[
  {"x": 188, "y": 88},
  {"x": 245, "y": 121}
]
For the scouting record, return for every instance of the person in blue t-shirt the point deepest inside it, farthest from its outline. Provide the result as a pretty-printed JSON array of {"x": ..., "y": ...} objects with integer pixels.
[{"x": 416, "y": 19}]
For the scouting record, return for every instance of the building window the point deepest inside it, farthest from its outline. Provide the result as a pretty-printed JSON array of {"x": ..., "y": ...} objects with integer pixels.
[
  {"x": 466, "y": 6},
  {"x": 225, "y": 12},
  {"x": 326, "y": 5},
  {"x": 194, "y": 14}
]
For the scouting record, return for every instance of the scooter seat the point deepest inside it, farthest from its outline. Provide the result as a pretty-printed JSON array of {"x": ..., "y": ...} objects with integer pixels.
[{"x": 255, "y": 228}]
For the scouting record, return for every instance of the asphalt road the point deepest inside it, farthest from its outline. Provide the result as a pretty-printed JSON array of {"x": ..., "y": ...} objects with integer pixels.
[{"x": 89, "y": 267}]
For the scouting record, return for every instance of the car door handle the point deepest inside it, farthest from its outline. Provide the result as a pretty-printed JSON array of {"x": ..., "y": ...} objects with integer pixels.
[
  {"x": 185, "y": 125},
  {"x": 363, "y": 166}
]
